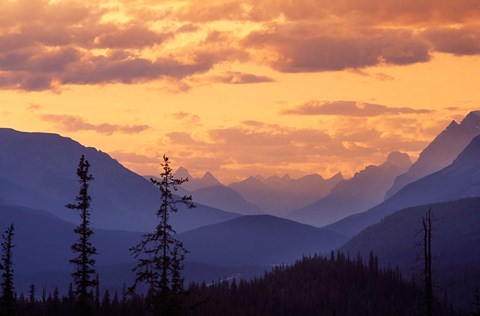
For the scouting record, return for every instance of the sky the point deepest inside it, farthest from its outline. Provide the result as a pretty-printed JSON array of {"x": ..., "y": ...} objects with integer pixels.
[{"x": 241, "y": 88}]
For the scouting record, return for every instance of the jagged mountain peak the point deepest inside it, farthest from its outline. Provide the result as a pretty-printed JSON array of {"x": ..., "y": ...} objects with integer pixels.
[
  {"x": 337, "y": 177},
  {"x": 182, "y": 173},
  {"x": 453, "y": 124},
  {"x": 472, "y": 120},
  {"x": 398, "y": 159},
  {"x": 209, "y": 178}
]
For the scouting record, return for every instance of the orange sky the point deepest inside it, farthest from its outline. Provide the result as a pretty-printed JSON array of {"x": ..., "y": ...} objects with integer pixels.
[{"x": 241, "y": 87}]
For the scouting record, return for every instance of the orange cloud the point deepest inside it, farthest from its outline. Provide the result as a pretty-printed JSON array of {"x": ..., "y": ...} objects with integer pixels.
[
  {"x": 235, "y": 77},
  {"x": 349, "y": 108},
  {"x": 187, "y": 117},
  {"x": 72, "y": 123},
  {"x": 255, "y": 146}
]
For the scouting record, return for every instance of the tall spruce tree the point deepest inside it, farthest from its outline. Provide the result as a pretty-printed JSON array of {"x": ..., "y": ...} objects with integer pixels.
[
  {"x": 84, "y": 275},
  {"x": 8, "y": 291},
  {"x": 160, "y": 256},
  {"x": 427, "y": 256}
]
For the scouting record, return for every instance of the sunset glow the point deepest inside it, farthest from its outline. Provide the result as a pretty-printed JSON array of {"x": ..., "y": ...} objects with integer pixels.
[{"x": 241, "y": 87}]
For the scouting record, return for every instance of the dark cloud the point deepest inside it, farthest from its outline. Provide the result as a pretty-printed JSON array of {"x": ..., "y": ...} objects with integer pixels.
[
  {"x": 69, "y": 66},
  {"x": 75, "y": 123},
  {"x": 366, "y": 11},
  {"x": 45, "y": 45},
  {"x": 332, "y": 52},
  {"x": 130, "y": 36},
  {"x": 458, "y": 41},
  {"x": 349, "y": 108}
]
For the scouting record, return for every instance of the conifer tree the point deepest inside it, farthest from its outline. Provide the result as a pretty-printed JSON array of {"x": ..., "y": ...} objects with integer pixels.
[
  {"x": 84, "y": 274},
  {"x": 31, "y": 294},
  {"x": 8, "y": 291},
  {"x": 477, "y": 302},
  {"x": 160, "y": 255},
  {"x": 427, "y": 255}
]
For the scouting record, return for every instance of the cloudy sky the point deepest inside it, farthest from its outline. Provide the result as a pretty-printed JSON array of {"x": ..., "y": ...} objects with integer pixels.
[{"x": 241, "y": 87}]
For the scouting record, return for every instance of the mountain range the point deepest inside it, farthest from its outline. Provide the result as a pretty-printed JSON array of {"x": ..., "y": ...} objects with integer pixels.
[
  {"x": 441, "y": 151},
  {"x": 459, "y": 180},
  {"x": 364, "y": 190},
  {"x": 280, "y": 195},
  {"x": 38, "y": 171},
  {"x": 229, "y": 232}
]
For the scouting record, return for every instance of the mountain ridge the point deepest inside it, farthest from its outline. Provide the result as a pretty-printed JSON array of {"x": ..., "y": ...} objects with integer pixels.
[
  {"x": 460, "y": 179},
  {"x": 363, "y": 191},
  {"x": 441, "y": 152}
]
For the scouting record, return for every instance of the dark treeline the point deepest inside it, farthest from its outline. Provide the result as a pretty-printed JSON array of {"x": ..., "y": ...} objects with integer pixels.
[{"x": 313, "y": 286}]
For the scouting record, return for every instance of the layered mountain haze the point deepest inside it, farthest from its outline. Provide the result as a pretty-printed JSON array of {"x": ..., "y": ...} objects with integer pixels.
[
  {"x": 209, "y": 191},
  {"x": 461, "y": 179},
  {"x": 258, "y": 239},
  {"x": 364, "y": 190},
  {"x": 441, "y": 151},
  {"x": 225, "y": 198},
  {"x": 280, "y": 195},
  {"x": 43, "y": 241},
  {"x": 38, "y": 170},
  {"x": 42, "y": 253}
]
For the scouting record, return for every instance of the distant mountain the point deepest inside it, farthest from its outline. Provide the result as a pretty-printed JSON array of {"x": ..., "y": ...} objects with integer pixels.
[
  {"x": 280, "y": 195},
  {"x": 257, "y": 239},
  {"x": 38, "y": 170},
  {"x": 206, "y": 181},
  {"x": 459, "y": 180},
  {"x": 366, "y": 189},
  {"x": 456, "y": 236},
  {"x": 225, "y": 198},
  {"x": 209, "y": 191},
  {"x": 441, "y": 152}
]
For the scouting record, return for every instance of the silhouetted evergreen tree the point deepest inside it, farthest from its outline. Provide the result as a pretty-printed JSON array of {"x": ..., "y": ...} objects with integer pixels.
[
  {"x": 160, "y": 255},
  {"x": 8, "y": 291},
  {"x": 477, "y": 302},
  {"x": 83, "y": 276},
  {"x": 105, "y": 307},
  {"x": 427, "y": 257},
  {"x": 31, "y": 294}
]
